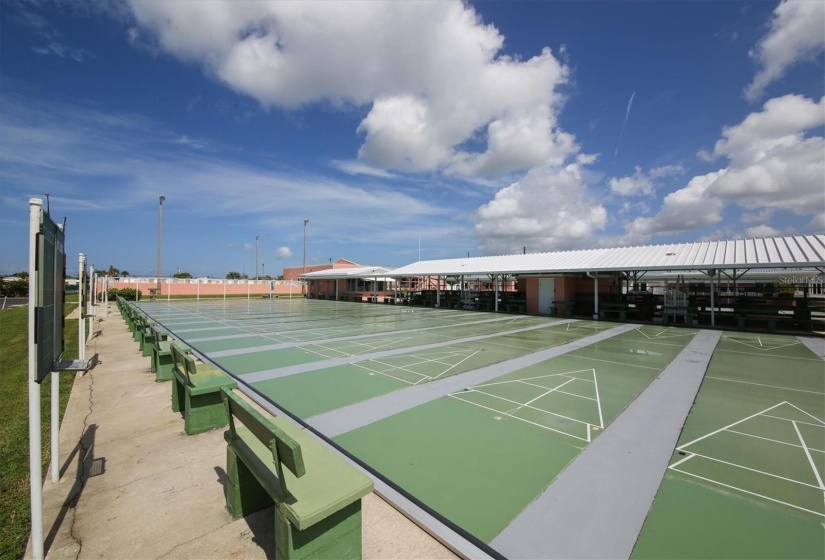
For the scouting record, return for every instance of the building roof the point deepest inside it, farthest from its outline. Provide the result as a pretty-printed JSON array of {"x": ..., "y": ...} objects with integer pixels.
[
  {"x": 770, "y": 252},
  {"x": 350, "y": 272}
]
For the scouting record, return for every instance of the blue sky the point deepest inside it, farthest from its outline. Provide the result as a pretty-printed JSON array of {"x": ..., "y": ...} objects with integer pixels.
[{"x": 470, "y": 128}]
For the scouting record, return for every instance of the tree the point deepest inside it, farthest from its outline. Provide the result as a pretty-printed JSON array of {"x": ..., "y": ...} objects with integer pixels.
[
  {"x": 113, "y": 271},
  {"x": 181, "y": 275},
  {"x": 21, "y": 274},
  {"x": 15, "y": 288},
  {"x": 124, "y": 273},
  {"x": 234, "y": 275}
]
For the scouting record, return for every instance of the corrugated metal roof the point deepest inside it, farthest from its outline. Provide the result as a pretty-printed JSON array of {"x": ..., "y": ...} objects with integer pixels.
[
  {"x": 770, "y": 252},
  {"x": 351, "y": 272}
]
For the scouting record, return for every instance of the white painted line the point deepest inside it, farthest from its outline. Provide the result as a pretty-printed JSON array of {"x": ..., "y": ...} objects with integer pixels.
[
  {"x": 751, "y": 493},
  {"x": 763, "y": 385},
  {"x": 527, "y": 406},
  {"x": 789, "y": 420},
  {"x": 807, "y": 414},
  {"x": 565, "y": 373},
  {"x": 615, "y": 363},
  {"x": 456, "y": 364},
  {"x": 517, "y": 418},
  {"x": 773, "y": 440},
  {"x": 714, "y": 459},
  {"x": 682, "y": 460},
  {"x": 682, "y": 447},
  {"x": 598, "y": 400},
  {"x": 810, "y": 459}
]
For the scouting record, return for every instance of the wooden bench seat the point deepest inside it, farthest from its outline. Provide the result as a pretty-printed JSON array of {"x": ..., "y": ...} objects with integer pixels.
[
  {"x": 317, "y": 497},
  {"x": 196, "y": 392}
]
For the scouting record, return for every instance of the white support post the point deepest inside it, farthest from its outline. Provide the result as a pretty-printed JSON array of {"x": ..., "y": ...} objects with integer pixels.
[
  {"x": 712, "y": 273},
  {"x": 35, "y": 452},
  {"x": 496, "y": 300},
  {"x": 81, "y": 322},
  {"x": 91, "y": 303},
  {"x": 55, "y": 437},
  {"x": 169, "y": 285},
  {"x": 198, "y": 289}
]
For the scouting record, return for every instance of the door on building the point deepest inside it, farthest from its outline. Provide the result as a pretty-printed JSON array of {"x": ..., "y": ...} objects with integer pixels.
[{"x": 546, "y": 294}]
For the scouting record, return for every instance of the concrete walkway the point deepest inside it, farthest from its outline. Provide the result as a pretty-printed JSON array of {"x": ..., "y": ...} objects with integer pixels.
[
  {"x": 133, "y": 485},
  {"x": 597, "y": 505}
]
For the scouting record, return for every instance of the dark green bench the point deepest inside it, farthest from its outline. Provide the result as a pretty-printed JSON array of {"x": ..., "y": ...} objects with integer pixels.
[
  {"x": 562, "y": 307},
  {"x": 145, "y": 325},
  {"x": 162, "y": 362},
  {"x": 768, "y": 314},
  {"x": 196, "y": 392},
  {"x": 317, "y": 497},
  {"x": 675, "y": 311}
]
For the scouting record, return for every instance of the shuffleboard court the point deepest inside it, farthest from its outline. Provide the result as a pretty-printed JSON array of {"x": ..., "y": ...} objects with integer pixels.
[
  {"x": 314, "y": 392},
  {"x": 746, "y": 478},
  {"x": 479, "y": 456},
  {"x": 495, "y": 430}
]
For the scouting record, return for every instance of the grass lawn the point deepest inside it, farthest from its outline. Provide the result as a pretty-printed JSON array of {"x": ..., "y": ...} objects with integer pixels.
[{"x": 15, "y": 510}]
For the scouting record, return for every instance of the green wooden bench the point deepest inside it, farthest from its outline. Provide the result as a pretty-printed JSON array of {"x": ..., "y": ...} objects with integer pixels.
[
  {"x": 317, "y": 497},
  {"x": 196, "y": 392},
  {"x": 620, "y": 308},
  {"x": 562, "y": 307},
  {"x": 671, "y": 312},
  {"x": 162, "y": 362},
  {"x": 767, "y": 314},
  {"x": 145, "y": 325}
]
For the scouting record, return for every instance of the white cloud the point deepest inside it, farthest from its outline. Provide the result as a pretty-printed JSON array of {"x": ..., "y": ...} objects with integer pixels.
[
  {"x": 283, "y": 253},
  {"x": 763, "y": 216},
  {"x": 642, "y": 182},
  {"x": 796, "y": 34},
  {"x": 64, "y": 51},
  {"x": 355, "y": 167},
  {"x": 771, "y": 165},
  {"x": 97, "y": 160},
  {"x": 762, "y": 231},
  {"x": 550, "y": 208},
  {"x": 686, "y": 209},
  {"x": 431, "y": 73}
]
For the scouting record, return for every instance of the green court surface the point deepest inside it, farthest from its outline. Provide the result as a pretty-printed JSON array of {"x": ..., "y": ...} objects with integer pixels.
[
  {"x": 746, "y": 478},
  {"x": 498, "y": 445},
  {"x": 744, "y": 481},
  {"x": 315, "y": 392}
]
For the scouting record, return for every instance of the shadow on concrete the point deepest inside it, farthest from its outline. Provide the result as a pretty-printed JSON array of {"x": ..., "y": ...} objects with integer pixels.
[
  {"x": 94, "y": 361},
  {"x": 261, "y": 523},
  {"x": 87, "y": 466}
]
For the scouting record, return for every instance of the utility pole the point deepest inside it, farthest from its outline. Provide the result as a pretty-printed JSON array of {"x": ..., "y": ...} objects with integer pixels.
[{"x": 160, "y": 230}]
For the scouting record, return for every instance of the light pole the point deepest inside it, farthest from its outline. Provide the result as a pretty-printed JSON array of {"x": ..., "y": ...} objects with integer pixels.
[
  {"x": 305, "y": 254},
  {"x": 256, "y": 256},
  {"x": 263, "y": 270},
  {"x": 160, "y": 230}
]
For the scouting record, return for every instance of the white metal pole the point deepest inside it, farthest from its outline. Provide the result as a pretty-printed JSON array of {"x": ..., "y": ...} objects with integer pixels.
[
  {"x": 198, "y": 288},
  {"x": 35, "y": 452},
  {"x": 91, "y": 303},
  {"x": 55, "y": 426},
  {"x": 169, "y": 285},
  {"x": 712, "y": 303},
  {"x": 81, "y": 322},
  {"x": 496, "y": 302},
  {"x": 224, "y": 290}
]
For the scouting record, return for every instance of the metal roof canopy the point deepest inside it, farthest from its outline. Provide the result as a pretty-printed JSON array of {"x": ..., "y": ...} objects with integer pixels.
[
  {"x": 770, "y": 252},
  {"x": 368, "y": 272}
]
